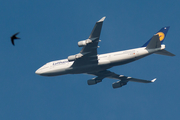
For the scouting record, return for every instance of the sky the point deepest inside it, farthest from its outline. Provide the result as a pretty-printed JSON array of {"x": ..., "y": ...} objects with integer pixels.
[{"x": 50, "y": 30}]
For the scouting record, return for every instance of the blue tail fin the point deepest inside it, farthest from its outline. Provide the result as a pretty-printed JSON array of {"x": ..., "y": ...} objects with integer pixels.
[{"x": 162, "y": 34}]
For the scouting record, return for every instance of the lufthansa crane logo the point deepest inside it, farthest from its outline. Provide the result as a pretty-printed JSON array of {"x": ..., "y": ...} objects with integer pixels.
[{"x": 161, "y": 36}]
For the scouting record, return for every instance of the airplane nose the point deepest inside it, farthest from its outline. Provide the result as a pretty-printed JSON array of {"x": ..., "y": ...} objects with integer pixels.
[{"x": 38, "y": 72}]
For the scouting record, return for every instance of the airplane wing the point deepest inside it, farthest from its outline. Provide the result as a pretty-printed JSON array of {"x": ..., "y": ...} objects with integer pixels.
[
  {"x": 88, "y": 54},
  {"x": 122, "y": 79}
]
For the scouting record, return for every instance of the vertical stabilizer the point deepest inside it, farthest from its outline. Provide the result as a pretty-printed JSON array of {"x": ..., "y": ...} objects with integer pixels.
[{"x": 162, "y": 34}]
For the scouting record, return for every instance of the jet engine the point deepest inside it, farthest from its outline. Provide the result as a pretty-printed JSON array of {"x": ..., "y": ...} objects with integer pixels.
[
  {"x": 74, "y": 57},
  {"x": 94, "y": 81},
  {"x": 118, "y": 84},
  {"x": 84, "y": 42}
]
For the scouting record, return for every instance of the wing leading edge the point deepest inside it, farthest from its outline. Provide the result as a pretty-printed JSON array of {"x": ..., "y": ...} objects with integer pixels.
[{"x": 122, "y": 79}]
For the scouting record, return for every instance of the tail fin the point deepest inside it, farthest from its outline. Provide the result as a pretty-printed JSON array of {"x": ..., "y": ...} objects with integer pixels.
[
  {"x": 157, "y": 40},
  {"x": 161, "y": 33}
]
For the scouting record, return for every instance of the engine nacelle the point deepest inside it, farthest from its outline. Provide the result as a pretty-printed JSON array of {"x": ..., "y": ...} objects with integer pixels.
[
  {"x": 74, "y": 57},
  {"x": 84, "y": 42},
  {"x": 118, "y": 84},
  {"x": 93, "y": 81}
]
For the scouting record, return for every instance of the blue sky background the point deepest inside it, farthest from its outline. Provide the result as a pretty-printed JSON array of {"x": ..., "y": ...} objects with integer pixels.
[{"x": 50, "y": 30}]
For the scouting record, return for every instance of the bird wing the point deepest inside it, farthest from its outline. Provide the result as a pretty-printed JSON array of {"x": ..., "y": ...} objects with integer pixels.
[
  {"x": 14, "y": 37},
  {"x": 16, "y": 34},
  {"x": 12, "y": 40}
]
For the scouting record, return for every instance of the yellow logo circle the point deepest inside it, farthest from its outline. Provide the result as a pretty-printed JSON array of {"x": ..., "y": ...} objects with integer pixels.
[{"x": 161, "y": 36}]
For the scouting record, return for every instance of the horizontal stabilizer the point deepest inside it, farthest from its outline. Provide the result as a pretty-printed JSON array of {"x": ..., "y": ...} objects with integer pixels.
[
  {"x": 164, "y": 52},
  {"x": 154, "y": 42}
]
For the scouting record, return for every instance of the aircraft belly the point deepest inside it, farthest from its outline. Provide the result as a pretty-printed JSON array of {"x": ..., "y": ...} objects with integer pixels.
[{"x": 88, "y": 69}]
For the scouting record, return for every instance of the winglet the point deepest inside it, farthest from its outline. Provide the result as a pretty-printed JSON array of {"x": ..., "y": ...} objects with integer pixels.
[
  {"x": 102, "y": 19},
  {"x": 153, "y": 80}
]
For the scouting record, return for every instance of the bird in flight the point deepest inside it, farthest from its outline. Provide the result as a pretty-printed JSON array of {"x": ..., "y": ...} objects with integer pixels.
[{"x": 13, "y": 37}]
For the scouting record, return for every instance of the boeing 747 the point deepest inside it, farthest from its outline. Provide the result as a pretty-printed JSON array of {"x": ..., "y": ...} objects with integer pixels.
[{"x": 89, "y": 62}]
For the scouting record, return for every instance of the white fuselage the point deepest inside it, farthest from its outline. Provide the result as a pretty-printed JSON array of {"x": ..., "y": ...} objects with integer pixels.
[{"x": 105, "y": 61}]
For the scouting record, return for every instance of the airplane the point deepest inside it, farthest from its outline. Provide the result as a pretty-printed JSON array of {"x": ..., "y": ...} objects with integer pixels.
[{"x": 87, "y": 61}]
